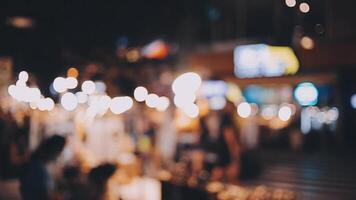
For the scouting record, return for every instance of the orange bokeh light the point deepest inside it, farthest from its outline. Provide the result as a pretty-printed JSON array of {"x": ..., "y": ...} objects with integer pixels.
[{"x": 72, "y": 72}]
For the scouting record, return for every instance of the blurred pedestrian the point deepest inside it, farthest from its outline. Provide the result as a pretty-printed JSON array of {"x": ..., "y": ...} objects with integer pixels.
[{"x": 36, "y": 183}]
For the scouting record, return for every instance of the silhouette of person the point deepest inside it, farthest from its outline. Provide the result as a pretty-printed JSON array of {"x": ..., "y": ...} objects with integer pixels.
[{"x": 35, "y": 182}]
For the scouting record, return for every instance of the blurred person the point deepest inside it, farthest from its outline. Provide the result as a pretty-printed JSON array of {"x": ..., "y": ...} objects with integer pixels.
[
  {"x": 96, "y": 186},
  {"x": 36, "y": 183},
  {"x": 220, "y": 143},
  {"x": 14, "y": 148},
  {"x": 167, "y": 139}
]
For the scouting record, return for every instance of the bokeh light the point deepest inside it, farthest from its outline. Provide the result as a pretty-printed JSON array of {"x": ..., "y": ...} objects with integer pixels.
[
  {"x": 133, "y": 55},
  {"x": 306, "y": 94},
  {"x": 182, "y": 100},
  {"x": 119, "y": 105},
  {"x": 88, "y": 87},
  {"x": 82, "y": 97},
  {"x": 23, "y": 76},
  {"x": 186, "y": 83},
  {"x": 140, "y": 94},
  {"x": 285, "y": 113},
  {"x": 12, "y": 90},
  {"x": 49, "y": 104},
  {"x": 163, "y": 104},
  {"x": 72, "y": 72},
  {"x": 104, "y": 104},
  {"x": 307, "y": 43},
  {"x": 100, "y": 87},
  {"x": 353, "y": 101},
  {"x": 217, "y": 102},
  {"x": 71, "y": 82},
  {"x": 60, "y": 84},
  {"x": 42, "y": 104},
  {"x": 244, "y": 110},
  {"x": 191, "y": 110},
  {"x": 34, "y": 94},
  {"x": 304, "y": 7},
  {"x": 268, "y": 112},
  {"x": 332, "y": 115},
  {"x": 69, "y": 101},
  {"x": 290, "y": 3},
  {"x": 152, "y": 100}
]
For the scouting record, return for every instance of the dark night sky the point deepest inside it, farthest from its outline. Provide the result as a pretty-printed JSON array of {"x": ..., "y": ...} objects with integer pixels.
[{"x": 80, "y": 27}]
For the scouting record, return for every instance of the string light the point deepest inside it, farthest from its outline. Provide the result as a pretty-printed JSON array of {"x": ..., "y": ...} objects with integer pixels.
[
  {"x": 119, "y": 105},
  {"x": 88, "y": 87},
  {"x": 152, "y": 100},
  {"x": 140, "y": 94},
  {"x": 82, "y": 97},
  {"x": 69, "y": 101},
  {"x": 163, "y": 104},
  {"x": 60, "y": 84},
  {"x": 71, "y": 82}
]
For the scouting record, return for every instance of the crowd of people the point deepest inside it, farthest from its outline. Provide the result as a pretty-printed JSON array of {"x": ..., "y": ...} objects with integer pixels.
[{"x": 211, "y": 151}]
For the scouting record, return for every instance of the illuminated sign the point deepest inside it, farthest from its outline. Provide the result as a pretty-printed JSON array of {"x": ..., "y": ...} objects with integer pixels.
[
  {"x": 268, "y": 95},
  {"x": 261, "y": 60}
]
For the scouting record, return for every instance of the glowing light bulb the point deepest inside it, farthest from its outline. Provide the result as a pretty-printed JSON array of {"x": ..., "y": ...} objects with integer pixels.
[
  {"x": 152, "y": 100},
  {"x": 23, "y": 76},
  {"x": 88, "y": 87},
  {"x": 60, "y": 84},
  {"x": 244, "y": 110},
  {"x": 285, "y": 113},
  {"x": 163, "y": 104},
  {"x": 69, "y": 101},
  {"x": 140, "y": 94}
]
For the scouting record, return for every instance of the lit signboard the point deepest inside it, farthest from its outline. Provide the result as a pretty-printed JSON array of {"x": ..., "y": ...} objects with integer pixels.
[{"x": 261, "y": 60}]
